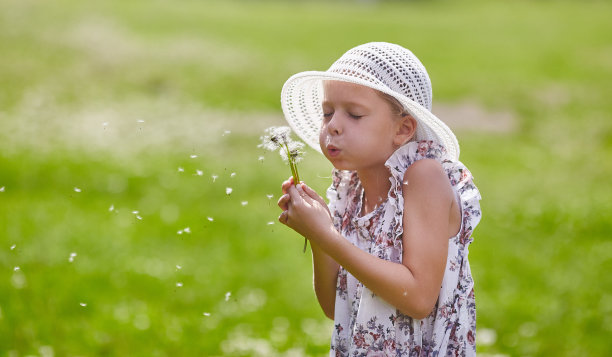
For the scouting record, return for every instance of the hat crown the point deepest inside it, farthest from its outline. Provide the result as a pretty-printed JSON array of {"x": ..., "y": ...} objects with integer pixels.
[{"x": 389, "y": 65}]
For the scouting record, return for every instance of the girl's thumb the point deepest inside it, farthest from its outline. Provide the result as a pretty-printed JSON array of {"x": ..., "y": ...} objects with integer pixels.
[{"x": 310, "y": 192}]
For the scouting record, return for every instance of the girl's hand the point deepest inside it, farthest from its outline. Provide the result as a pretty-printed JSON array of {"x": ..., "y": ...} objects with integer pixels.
[{"x": 304, "y": 211}]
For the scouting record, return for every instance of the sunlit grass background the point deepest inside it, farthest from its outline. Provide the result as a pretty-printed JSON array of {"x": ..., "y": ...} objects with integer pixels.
[{"x": 116, "y": 115}]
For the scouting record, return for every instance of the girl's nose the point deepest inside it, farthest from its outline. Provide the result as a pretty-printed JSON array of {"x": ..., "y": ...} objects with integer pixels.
[{"x": 334, "y": 126}]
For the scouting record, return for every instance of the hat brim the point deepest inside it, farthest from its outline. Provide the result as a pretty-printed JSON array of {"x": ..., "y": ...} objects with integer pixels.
[{"x": 302, "y": 95}]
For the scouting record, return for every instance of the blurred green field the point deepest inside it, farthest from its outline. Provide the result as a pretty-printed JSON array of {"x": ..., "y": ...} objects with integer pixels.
[{"x": 116, "y": 115}]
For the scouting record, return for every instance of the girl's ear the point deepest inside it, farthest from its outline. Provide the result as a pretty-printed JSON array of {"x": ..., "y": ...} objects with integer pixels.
[{"x": 406, "y": 130}]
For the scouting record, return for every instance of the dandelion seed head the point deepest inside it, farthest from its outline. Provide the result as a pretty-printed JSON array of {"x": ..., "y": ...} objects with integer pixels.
[
  {"x": 228, "y": 190},
  {"x": 275, "y": 137}
]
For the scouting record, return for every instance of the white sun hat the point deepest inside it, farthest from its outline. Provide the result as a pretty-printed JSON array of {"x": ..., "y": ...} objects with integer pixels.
[{"x": 386, "y": 67}]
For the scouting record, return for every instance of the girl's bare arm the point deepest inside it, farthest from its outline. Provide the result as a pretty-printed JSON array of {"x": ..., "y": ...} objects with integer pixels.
[
  {"x": 325, "y": 273},
  {"x": 324, "y": 268},
  {"x": 413, "y": 285}
]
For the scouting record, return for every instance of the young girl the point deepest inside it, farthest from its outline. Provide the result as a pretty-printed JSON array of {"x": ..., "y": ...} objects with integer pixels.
[{"x": 390, "y": 251}]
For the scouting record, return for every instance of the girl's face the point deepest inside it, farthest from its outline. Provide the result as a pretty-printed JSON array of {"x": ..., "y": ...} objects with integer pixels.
[{"x": 359, "y": 130}]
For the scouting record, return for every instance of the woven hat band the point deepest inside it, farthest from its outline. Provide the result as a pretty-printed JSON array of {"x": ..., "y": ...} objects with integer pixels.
[{"x": 389, "y": 65}]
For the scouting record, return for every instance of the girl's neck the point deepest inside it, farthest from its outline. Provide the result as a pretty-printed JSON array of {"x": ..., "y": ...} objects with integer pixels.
[{"x": 376, "y": 186}]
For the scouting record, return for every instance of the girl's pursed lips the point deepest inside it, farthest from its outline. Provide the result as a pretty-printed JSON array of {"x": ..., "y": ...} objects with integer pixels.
[{"x": 332, "y": 150}]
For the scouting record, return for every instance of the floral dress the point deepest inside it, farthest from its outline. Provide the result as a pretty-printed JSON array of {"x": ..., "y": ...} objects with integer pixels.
[{"x": 364, "y": 324}]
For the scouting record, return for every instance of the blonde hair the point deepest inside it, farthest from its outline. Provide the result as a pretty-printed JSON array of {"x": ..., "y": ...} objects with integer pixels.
[{"x": 396, "y": 107}]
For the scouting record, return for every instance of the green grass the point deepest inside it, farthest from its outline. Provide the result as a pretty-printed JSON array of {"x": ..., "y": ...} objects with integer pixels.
[{"x": 75, "y": 78}]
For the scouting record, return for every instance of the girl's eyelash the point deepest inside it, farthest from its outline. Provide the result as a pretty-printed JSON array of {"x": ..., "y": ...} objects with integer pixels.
[{"x": 328, "y": 115}]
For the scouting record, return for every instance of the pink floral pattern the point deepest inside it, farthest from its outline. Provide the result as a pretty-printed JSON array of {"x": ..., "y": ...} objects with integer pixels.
[{"x": 365, "y": 325}]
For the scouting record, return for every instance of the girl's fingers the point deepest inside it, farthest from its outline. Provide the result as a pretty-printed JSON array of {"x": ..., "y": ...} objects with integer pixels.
[
  {"x": 283, "y": 217},
  {"x": 283, "y": 202},
  {"x": 312, "y": 194},
  {"x": 286, "y": 184}
]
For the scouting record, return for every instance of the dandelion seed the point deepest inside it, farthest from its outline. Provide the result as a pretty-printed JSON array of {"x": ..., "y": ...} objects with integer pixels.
[
  {"x": 207, "y": 314},
  {"x": 71, "y": 258},
  {"x": 179, "y": 267},
  {"x": 261, "y": 158},
  {"x": 180, "y": 169},
  {"x": 180, "y": 231},
  {"x": 210, "y": 219},
  {"x": 233, "y": 174},
  {"x": 228, "y": 295},
  {"x": 105, "y": 124},
  {"x": 269, "y": 196},
  {"x": 228, "y": 190},
  {"x": 193, "y": 156},
  {"x": 138, "y": 217},
  {"x": 111, "y": 208},
  {"x": 16, "y": 268},
  {"x": 76, "y": 189},
  {"x": 2, "y": 189},
  {"x": 244, "y": 203},
  {"x": 227, "y": 132},
  {"x": 135, "y": 212},
  {"x": 199, "y": 172},
  {"x": 83, "y": 304},
  {"x": 270, "y": 223},
  {"x": 214, "y": 177},
  {"x": 140, "y": 121},
  {"x": 179, "y": 284},
  {"x": 13, "y": 246},
  {"x": 187, "y": 230}
]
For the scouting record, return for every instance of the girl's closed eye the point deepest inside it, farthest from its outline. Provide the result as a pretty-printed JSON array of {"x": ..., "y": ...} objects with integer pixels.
[{"x": 355, "y": 116}]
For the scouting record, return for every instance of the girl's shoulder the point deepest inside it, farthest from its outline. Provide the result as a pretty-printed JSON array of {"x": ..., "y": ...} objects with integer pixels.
[{"x": 416, "y": 151}]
